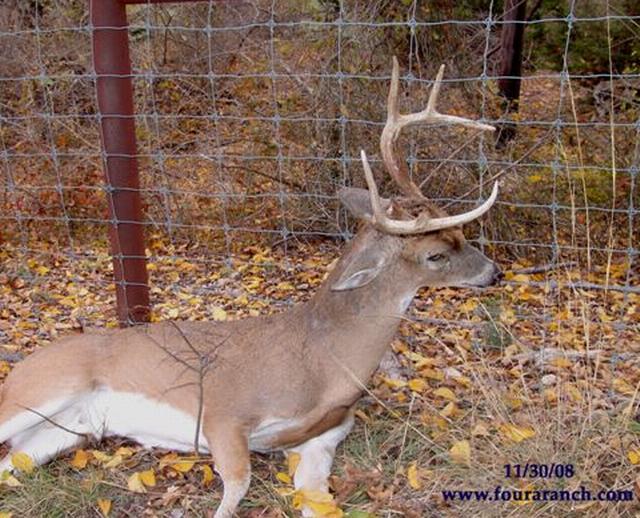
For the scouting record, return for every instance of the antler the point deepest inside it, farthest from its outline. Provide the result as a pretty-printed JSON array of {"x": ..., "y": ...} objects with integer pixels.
[
  {"x": 396, "y": 122},
  {"x": 400, "y": 172},
  {"x": 423, "y": 223}
]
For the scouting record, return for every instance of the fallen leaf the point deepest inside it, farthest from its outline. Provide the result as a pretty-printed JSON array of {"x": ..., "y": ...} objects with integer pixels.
[
  {"x": 395, "y": 384},
  {"x": 319, "y": 502},
  {"x": 417, "y": 385},
  {"x": 413, "y": 477},
  {"x": 182, "y": 465},
  {"x": 100, "y": 456},
  {"x": 461, "y": 452},
  {"x": 7, "y": 479},
  {"x": 283, "y": 477},
  {"x": 207, "y": 474},
  {"x": 445, "y": 393},
  {"x": 293, "y": 459},
  {"x": 104, "y": 505},
  {"x": 622, "y": 386},
  {"x": 634, "y": 456},
  {"x": 22, "y": 462},
  {"x": 125, "y": 452},
  {"x": 80, "y": 459},
  {"x": 517, "y": 433},
  {"x": 218, "y": 313},
  {"x": 134, "y": 483},
  {"x": 148, "y": 477},
  {"x": 450, "y": 411},
  {"x": 114, "y": 462}
]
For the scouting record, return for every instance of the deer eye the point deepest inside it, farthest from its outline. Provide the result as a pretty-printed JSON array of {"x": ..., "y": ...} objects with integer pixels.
[{"x": 436, "y": 258}]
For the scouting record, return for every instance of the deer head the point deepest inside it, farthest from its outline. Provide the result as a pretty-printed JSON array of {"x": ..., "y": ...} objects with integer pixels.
[{"x": 424, "y": 239}]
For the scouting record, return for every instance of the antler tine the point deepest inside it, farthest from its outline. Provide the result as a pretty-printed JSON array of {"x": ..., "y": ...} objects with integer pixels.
[
  {"x": 376, "y": 206},
  {"x": 398, "y": 170},
  {"x": 396, "y": 122},
  {"x": 422, "y": 223},
  {"x": 392, "y": 99}
]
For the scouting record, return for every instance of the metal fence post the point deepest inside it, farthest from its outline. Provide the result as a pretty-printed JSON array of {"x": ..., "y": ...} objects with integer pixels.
[{"x": 115, "y": 105}]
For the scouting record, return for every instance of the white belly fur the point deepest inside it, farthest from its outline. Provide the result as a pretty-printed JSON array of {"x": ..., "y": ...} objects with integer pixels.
[
  {"x": 145, "y": 420},
  {"x": 105, "y": 413}
]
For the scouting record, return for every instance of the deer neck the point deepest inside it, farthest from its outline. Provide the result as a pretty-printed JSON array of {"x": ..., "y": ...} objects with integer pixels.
[{"x": 357, "y": 326}]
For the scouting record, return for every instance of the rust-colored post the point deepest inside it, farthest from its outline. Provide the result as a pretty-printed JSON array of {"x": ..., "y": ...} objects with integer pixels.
[{"x": 115, "y": 105}]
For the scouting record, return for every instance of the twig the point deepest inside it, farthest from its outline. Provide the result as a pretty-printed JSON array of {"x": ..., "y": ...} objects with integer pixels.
[
  {"x": 51, "y": 421},
  {"x": 544, "y": 268}
]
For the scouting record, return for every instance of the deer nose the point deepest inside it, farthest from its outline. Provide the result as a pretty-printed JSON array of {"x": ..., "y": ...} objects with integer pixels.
[{"x": 497, "y": 273}]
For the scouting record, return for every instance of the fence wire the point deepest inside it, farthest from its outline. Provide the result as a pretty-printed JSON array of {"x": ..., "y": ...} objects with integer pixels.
[{"x": 251, "y": 115}]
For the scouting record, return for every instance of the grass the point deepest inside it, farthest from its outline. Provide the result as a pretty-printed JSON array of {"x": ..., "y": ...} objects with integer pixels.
[{"x": 517, "y": 356}]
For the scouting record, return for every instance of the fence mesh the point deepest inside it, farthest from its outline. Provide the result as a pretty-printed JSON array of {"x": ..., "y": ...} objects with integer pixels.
[{"x": 251, "y": 115}]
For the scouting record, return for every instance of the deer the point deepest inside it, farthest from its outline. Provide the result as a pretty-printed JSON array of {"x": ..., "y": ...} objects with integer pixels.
[{"x": 283, "y": 382}]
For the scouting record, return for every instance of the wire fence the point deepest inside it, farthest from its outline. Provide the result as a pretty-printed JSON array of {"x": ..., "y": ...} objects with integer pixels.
[{"x": 251, "y": 115}]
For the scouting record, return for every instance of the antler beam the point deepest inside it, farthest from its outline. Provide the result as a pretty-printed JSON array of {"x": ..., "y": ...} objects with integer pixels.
[
  {"x": 423, "y": 223},
  {"x": 397, "y": 121}
]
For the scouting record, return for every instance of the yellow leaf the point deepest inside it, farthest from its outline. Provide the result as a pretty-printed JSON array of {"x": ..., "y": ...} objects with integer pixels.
[
  {"x": 207, "y": 474},
  {"x": 183, "y": 466},
  {"x": 634, "y": 456},
  {"x": 520, "y": 277},
  {"x": 413, "y": 477},
  {"x": 517, "y": 433},
  {"x": 101, "y": 456},
  {"x": 395, "y": 384},
  {"x": 218, "y": 313},
  {"x": 507, "y": 316},
  {"x": 104, "y": 505},
  {"x": 319, "y": 502},
  {"x": 114, "y": 462},
  {"x": 559, "y": 361},
  {"x": 463, "y": 380},
  {"x": 461, "y": 452},
  {"x": 285, "y": 491},
  {"x": 550, "y": 395},
  {"x": 433, "y": 374},
  {"x": 525, "y": 501},
  {"x": 450, "y": 410},
  {"x": 468, "y": 306},
  {"x": 620, "y": 385},
  {"x": 445, "y": 393},
  {"x": 7, "y": 479},
  {"x": 134, "y": 483},
  {"x": 573, "y": 392},
  {"x": 22, "y": 462},
  {"x": 173, "y": 461},
  {"x": 80, "y": 459},
  {"x": 283, "y": 477},
  {"x": 125, "y": 452},
  {"x": 293, "y": 459},
  {"x": 5, "y": 514},
  {"x": 148, "y": 477},
  {"x": 514, "y": 403},
  {"x": 417, "y": 385},
  {"x": 480, "y": 429}
]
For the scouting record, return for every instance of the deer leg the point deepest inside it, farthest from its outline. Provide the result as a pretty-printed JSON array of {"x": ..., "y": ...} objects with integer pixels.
[
  {"x": 45, "y": 441},
  {"x": 316, "y": 459},
  {"x": 229, "y": 448}
]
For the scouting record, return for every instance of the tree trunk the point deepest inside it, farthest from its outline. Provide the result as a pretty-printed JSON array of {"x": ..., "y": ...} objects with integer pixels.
[{"x": 511, "y": 42}]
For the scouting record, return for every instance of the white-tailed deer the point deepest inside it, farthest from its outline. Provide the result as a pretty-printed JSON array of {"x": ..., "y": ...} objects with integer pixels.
[{"x": 281, "y": 382}]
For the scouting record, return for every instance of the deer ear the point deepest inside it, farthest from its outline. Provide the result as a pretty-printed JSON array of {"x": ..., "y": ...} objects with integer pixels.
[
  {"x": 360, "y": 272},
  {"x": 358, "y": 202}
]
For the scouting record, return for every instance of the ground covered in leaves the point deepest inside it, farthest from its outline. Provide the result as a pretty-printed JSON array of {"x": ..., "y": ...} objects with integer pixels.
[{"x": 535, "y": 371}]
